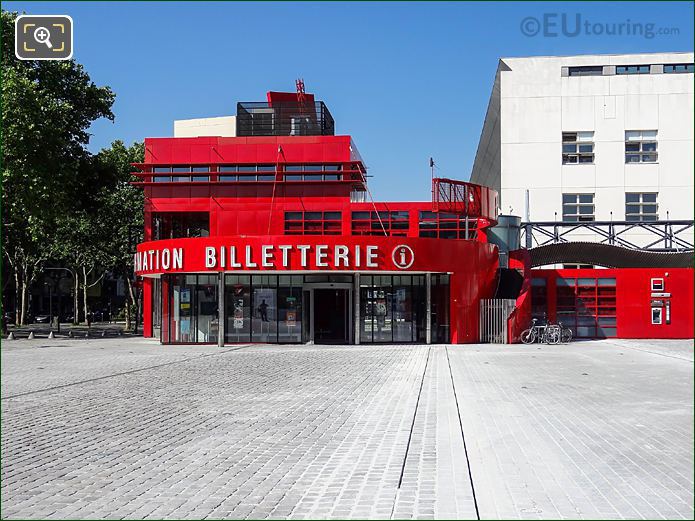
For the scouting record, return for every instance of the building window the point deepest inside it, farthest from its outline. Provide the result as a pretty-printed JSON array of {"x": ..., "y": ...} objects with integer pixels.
[
  {"x": 641, "y": 207},
  {"x": 245, "y": 173},
  {"x": 358, "y": 196},
  {"x": 587, "y": 305},
  {"x": 672, "y": 68},
  {"x": 632, "y": 69},
  {"x": 313, "y": 223},
  {"x": 313, "y": 172},
  {"x": 577, "y": 148},
  {"x": 577, "y": 207},
  {"x": 158, "y": 177},
  {"x": 442, "y": 225},
  {"x": 586, "y": 70},
  {"x": 539, "y": 298},
  {"x": 178, "y": 225},
  {"x": 182, "y": 174},
  {"x": 640, "y": 146},
  {"x": 382, "y": 223}
]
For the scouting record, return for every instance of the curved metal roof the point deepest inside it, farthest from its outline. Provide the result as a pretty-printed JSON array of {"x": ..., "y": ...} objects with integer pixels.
[{"x": 608, "y": 256}]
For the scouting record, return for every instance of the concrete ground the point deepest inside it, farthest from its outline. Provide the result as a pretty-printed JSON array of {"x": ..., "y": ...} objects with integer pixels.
[{"x": 126, "y": 428}]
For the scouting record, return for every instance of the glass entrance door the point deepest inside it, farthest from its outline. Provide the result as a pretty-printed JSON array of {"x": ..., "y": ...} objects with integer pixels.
[{"x": 331, "y": 315}]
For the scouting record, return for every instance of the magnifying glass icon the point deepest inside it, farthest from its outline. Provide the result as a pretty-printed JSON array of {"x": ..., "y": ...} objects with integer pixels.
[{"x": 43, "y": 35}]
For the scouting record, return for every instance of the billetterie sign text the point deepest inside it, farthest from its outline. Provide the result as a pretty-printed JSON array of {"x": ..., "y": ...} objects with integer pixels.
[{"x": 265, "y": 256}]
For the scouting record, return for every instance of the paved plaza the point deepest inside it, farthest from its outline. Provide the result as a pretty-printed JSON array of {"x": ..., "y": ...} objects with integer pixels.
[{"x": 126, "y": 428}]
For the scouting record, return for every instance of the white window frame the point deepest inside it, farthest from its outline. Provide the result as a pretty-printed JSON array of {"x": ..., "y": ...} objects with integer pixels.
[
  {"x": 640, "y": 204},
  {"x": 578, "y": 203},
  {"x": 643, "y": 145},
  {"x": 578, "y": 147}
]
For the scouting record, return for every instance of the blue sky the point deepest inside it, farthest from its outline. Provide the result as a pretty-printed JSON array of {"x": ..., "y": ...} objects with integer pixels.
[{"x": 406, "y": 80}]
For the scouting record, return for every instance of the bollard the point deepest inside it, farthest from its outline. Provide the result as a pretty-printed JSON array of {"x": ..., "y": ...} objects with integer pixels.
[
  {"x": 10, "y": 336},
  {"x": 51, "y": 335},
  {"x": 31, "y": 335},
  {"x": 71, "y": 334},
  {"x": 103, "y": 334}
]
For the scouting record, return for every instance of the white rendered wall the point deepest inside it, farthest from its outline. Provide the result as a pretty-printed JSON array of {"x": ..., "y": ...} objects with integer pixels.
[
  {"x": 224, "y": 126},
  {"x": 536, "y": 104}
]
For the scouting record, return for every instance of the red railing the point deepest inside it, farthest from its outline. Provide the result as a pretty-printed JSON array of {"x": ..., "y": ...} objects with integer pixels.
[{"x": 459, "y": 197}]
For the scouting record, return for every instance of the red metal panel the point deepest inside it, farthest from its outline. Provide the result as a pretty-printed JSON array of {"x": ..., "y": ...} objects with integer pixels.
[{"x": 634, "y": 298}]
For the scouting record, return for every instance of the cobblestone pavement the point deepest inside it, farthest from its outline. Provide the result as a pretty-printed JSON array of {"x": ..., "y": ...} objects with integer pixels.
[{"x": 130, "y": 429}]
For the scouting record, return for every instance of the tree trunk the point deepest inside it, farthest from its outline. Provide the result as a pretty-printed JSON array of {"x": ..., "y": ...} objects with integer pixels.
[
  {"x": 84, "y": 291},
  {"x": 17, "y": 298},
  {"x": 25, "y": 301},
  {"x": 130, "y": 301},
  {"x": 127, "y": 316},
  {"x": 76, "y": 298}
]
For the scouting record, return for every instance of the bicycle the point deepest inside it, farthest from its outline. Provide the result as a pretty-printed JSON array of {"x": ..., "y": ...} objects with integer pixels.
[
  {"x": 565, "y": 334},
  {"x": 529, "y": 336},
  {"x": 552, "y": 334}
]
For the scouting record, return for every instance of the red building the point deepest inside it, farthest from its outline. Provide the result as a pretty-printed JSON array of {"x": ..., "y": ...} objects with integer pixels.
[{"x": 272, "y": 236}]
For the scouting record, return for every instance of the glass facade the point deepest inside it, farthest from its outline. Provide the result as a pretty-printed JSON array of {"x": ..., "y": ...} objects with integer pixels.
[
  {"x": 392, "y": 308},
  {"x": 440, "y": 308},
  {"x": 263, "y": 308},
  {"x": 189, "y": 314},
  {"x": 278, "y": 308}
]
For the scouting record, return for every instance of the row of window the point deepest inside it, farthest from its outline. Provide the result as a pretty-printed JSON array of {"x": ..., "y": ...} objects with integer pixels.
[
  {"x": 431, "y": 224},
  {"x": 181, "y": 169},
  {"x": 578, "y": 147},
  {"x": 600, "y": 70},
  {"x": 380, "y": 223},
  {"x": 237, "y": 173},
  {"x": 639, "y": 207}
]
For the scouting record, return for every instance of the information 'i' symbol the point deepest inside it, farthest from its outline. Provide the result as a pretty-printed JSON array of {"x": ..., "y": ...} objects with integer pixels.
[{"x": 403, "y": 256}]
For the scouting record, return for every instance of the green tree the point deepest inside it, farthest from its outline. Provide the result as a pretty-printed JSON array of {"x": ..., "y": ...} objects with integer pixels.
[
  {"x": 121, "y": 215},
  {"x": 47, "y": 108}
]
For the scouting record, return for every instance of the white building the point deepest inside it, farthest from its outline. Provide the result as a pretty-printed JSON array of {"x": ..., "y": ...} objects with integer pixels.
[{"x": 595, "y": 137}]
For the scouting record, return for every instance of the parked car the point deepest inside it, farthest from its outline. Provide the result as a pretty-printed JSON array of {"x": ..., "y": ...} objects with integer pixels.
[{"x": 42, "y": 319}]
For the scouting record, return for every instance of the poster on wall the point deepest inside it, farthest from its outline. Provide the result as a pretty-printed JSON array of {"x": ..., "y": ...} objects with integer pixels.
[
  {"x": 238, "y": 313},
  {"x": 264, "y": 304},
  {"x": 291, "y": 316},
  {"x": 185, "y": 326}
]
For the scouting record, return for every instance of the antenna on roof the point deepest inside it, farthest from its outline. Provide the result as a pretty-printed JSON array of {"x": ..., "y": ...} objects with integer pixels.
[
  {"x": 301, "y": 96},
  {"x": 432, "y": 175}
]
